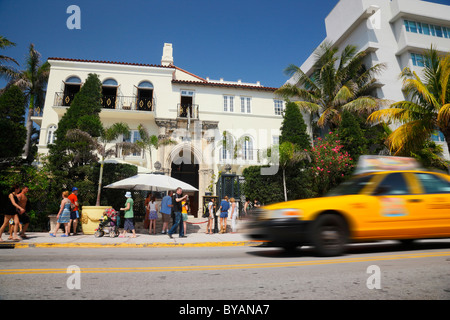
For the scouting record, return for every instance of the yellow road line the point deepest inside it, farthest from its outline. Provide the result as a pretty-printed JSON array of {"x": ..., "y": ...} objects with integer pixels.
[{"x": 229, "y": 267}]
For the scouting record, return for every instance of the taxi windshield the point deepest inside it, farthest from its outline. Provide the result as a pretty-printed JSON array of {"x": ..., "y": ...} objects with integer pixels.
[{"x": 352, "y": 186}]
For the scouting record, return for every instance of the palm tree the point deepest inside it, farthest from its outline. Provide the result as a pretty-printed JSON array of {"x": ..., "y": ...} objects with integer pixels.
[
  {"x": 426, "y": 110},
  {"x": 108, "y": 135},
  {"x": 99, "y": 144},
  {"x": 6, "y": 71},
  {"x": 336, "y": 84},
  {"x": 33, "y": 81},
  {"x": 147, "y": 142}
]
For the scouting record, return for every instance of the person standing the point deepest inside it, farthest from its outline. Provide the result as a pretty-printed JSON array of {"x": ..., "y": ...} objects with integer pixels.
[
  {"x": 74, "y": 213},
  {"x": 233, "y": 214},
  {"x": 153, "y": 215},
  {"x": 224, "y": 206},
  {"x": 147, "y": 212},
  {"x": 63, "y": 215},
  {"x": 184, "y": 213},
  {"x": 247, "y": 208},
  {"x": 12, "y": 210},
  {"x": 166, "y": 210},
  {"x": 129, "y": 216},
  {"x": 211, "y": 212},
  {"x": 177, "y": 209},
  {"x": 24, "y": 219}
]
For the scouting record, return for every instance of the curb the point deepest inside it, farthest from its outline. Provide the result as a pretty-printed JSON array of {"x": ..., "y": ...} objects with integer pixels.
[{"x": 128, "y": 245}]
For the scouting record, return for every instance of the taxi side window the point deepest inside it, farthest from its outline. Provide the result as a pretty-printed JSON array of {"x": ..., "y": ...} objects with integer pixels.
[
  {"x": 393, "y": 184},
  {"x": 432, "y": 183}
]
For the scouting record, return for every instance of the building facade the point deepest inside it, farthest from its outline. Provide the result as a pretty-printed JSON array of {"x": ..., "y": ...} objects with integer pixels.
[
  {"x": 395, "y": 32},
  {"x": 214, "y": 125}
]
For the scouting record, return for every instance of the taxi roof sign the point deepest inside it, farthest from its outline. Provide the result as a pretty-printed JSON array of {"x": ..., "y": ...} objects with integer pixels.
[{"x": 385, "y": 163}]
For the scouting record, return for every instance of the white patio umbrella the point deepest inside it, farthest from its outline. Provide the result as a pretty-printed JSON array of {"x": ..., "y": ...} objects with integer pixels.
[{"x": 151, "y": 182}]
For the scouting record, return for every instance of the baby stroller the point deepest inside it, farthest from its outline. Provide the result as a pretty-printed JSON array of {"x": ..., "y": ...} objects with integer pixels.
[{"x": 108, "y": 224}]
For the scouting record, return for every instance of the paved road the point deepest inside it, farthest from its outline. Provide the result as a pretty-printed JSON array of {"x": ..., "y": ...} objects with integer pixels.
[{"x": 242, "y": 273}]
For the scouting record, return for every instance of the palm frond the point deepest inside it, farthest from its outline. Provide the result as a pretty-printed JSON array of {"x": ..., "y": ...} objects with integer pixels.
[
  {"x": 329, "y": 116},
  {"x": 363, "y": 105},
  {"x": 308, "y": 106},
  {"x": 300, "y": 79},
  {"x": 409, "y": 137},
  {"x": 344, "y": 94},
  {"x": 443, "y": 118},
  {"x": 418, "y": 90}
]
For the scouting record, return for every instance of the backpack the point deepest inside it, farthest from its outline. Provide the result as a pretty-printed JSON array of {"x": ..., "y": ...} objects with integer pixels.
[{"x": 206, "y": 212}]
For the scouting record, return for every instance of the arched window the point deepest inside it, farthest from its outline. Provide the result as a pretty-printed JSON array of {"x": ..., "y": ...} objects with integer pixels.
[
  {"x": 227, "y": 147},
  {"x": 73, "y": 79},
  {"x": 145, "y": 96},
  {"x": 72, "y": 86},
  {"x": 247, "y": 148},
  {"x": 145, "y": 85},
  {"x": 51, "y": 138},
  {"x": 110, "y": 82},
  {"x": 109, "y": 93}
]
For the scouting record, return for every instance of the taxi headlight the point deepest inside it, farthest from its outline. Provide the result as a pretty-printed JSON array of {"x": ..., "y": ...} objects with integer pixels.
[{"x": 286, "y": 214}]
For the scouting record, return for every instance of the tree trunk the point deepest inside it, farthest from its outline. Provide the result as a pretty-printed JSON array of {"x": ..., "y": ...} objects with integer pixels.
[
  {"x": 100, "y": 178},
  {"x": 29, "y": 125},
  {"x": 284, "y": 185}
]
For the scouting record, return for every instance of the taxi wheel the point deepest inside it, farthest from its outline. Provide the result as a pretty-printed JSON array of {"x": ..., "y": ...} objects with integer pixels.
[{"x": 329, "y": 235}]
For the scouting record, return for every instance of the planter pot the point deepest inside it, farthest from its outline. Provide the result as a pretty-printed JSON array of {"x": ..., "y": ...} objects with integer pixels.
[
  {"x": 52, "y": 221},
  {"x": 90, "y": 216}
]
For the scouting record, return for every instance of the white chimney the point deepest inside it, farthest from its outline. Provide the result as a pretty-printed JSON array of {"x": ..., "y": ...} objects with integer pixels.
[{"x": 167, "y": 57}]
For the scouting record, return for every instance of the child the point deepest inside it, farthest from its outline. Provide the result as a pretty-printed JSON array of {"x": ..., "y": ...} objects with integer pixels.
[{"x": 153, "y": 215}]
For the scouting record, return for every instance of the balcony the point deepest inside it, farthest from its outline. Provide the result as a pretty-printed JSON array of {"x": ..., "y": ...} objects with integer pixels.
[
  {"x": 36, "y": 115},
  {"x": 128, "y": 106},
  {"x": 187, "y": 111}
]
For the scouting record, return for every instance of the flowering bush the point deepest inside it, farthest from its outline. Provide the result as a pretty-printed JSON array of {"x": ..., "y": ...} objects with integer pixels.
[{"x": 330, "y": 164}]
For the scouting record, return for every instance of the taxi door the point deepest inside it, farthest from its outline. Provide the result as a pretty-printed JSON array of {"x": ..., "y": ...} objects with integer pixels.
[
  {"x": 394, "y": 209},
  {"x": 434, "y": 192}
]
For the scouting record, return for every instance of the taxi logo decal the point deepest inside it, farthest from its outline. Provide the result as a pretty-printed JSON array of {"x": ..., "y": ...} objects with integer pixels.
[{"x": 393, "y": 207}]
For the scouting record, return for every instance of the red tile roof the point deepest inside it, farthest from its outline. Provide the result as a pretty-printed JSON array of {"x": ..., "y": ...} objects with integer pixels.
[
  {"x": 229, "y": 85},
  {"x": 112, "y": 62},
  {"x": 202, "y": 81}
]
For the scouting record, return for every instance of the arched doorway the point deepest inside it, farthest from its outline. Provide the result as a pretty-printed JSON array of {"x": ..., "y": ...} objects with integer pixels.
[{"x": 185, "y": 168}]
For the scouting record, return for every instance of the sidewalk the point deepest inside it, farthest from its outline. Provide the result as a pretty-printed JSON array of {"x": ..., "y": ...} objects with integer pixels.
[{"x": 199, "y": 239}]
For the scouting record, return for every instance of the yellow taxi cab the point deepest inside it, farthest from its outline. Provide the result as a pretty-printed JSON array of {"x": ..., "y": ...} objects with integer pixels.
[{"x": 388, "y": 198}]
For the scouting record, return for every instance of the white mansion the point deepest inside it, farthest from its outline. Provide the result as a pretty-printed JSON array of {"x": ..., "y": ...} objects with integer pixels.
[{"x": 196, "y": 113}]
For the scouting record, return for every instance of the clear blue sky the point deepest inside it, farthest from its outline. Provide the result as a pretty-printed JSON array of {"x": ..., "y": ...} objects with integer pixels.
[{"x": 251, "y": 40}]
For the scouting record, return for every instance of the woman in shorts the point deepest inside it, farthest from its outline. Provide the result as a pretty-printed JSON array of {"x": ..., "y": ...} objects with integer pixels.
[
  {"x": 152, "y": 215},
  {"x": 11, "y": 211}
]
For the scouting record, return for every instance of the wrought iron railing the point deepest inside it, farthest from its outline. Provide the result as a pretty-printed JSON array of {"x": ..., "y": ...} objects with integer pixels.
[
  {"x": 37, "y": 112},
  {"x": 187, "y": 111},
  {"x": 111, "y": 102}
]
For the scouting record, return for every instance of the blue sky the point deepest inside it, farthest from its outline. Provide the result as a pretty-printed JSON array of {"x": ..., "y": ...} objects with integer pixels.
[{"x": 251, "y": 40}]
